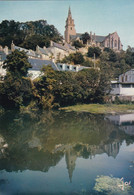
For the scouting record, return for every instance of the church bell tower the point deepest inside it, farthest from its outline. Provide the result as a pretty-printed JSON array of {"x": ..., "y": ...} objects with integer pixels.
[{"x": 70, "y": 27}]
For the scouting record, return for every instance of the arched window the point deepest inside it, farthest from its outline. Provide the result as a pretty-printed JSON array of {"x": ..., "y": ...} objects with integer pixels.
[
  {"x": 112, "y": 43},
  {"x": 115, "y": 43}
]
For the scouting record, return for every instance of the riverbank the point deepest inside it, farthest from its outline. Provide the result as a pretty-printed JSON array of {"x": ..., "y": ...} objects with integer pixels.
[{"x": 101, "y": 108}]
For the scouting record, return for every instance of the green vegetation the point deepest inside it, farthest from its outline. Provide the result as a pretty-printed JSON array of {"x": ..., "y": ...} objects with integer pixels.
[
  {"x": 110, "y": 62},
  {"x": 94, "y": 51},
  {"x": 77, "y": 44},
  {"x": 100, "y": 109},
  {"x": 52, "y": 89},
  {"x": 74, "y": 58},
  {"x": 16, "y": 90},
  {"x": 28, "y": 34},
  {"x": 85, "y": 37}
]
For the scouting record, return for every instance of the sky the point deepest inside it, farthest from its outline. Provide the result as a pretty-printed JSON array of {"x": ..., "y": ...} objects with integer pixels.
[{"x": 99, "y": 16}]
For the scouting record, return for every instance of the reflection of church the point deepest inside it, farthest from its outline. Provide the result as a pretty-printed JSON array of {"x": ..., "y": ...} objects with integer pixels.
[{"x": 71, "y": 155}]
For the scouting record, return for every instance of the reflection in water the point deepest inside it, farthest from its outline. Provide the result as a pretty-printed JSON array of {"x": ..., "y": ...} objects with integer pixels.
[
  {"x": 125, "y": 121},
  {"x": 39, "y": 141}
]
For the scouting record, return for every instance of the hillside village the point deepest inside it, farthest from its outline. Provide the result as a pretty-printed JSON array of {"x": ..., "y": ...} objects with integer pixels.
[{"x": 76, "y": 52}]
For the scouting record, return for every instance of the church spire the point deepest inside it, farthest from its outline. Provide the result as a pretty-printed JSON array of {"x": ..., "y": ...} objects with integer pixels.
[
  {"x": 70, "y": 27},
  {"x": 69, "y": 12}
]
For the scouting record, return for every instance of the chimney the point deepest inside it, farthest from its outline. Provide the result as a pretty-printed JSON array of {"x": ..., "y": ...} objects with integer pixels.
[
  {"x": 12, "y": 47},
  {"x": 37, "y": 49},
  {"x": 51, "y": 43},
  {"x": 6, "y": 50},
  {"x": 94, "y": 36},
  {"x": 1, "y": 48}
]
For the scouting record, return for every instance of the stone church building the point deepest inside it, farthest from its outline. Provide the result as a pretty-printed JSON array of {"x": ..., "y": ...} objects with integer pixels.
[{"x": 112, "y": 40}]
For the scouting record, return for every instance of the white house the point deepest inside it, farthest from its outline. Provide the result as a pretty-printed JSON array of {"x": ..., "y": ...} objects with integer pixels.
[
  {"x": 124, "y": 121},
  {"x": 125, "y": 85},
  {"x": 69, "y": 67}
]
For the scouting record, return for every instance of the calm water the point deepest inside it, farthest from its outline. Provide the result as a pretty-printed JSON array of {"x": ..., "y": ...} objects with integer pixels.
[{"x": 63, "y": 153}]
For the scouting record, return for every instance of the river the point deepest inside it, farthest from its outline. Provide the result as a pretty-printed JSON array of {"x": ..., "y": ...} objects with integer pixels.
[{"x": 61, "y": 152}]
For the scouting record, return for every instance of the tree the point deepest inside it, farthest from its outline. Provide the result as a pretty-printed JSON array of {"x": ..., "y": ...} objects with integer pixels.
[
  {"x": 28, "y": 34},
  {"x": 17, "y": 64},
  {"x": 94, "y": 50},
  {"x": 78, "y": 58},
  {"x": 85, "y": 37},
  {"x": 17, "y": 90},
  {"x": 77, "y": 44}
]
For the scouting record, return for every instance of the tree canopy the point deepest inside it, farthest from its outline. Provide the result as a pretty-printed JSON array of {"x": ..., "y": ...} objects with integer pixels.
[
  {"x": 94, "y": 50},
  {"x": 85, "y": 37},
  {"x": 17, "y": 64},
  {"x": 28, "y": 34}
]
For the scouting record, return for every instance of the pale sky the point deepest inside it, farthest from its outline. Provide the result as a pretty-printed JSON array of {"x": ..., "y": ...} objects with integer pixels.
[{"x": 99, "y": 16}]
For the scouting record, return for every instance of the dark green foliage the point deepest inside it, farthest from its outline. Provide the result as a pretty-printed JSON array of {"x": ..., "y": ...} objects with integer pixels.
[
  {"x": 85, "y": 37},
  {"x": 88, "y": 63},
  {"x": 34, "y": 40},
  {"x": 17, "y": 64},
  {"x": 117, "y": 63},
  {"x": 68, "y": 88},
  {"x": 28, "y": 34},
  {"x": 77, "y": 44},
  {"x": 16, "y": 90},
  {"x": 78, "y": 58},
  {"x": 75, "y": 58},
  {"x": 94, "y": 51}
]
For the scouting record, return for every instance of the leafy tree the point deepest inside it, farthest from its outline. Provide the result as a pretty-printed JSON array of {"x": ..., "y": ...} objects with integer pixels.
[
  {"x": 75, "y": 58},
  {"x": 77, "y": 44},
  {"x": 85, "y": 37},
  {"x": 34, "y": 40},
  {"x": 112, "y": 56},
  {"x": 28, "y": 34},
  {"x": 17, "y": 64},
  {"x": 94, "y": 50},
  {"x": 16, "y": 90},
  {"x": 87, "y": 63},
  {"x": 44, "y": 88},
  {"x": 78, "y": 58}
]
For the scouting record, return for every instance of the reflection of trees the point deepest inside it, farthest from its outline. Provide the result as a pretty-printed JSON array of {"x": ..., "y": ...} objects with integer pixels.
[{"x": 38, "y": 141}]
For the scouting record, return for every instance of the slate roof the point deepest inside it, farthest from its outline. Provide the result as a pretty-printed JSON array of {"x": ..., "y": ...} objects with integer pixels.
[
  {"x": 28, "y": 52},
  {"x": 75, "y": 36},
  {"x": 2, "y": 56},
  {"x": 38, "y": 64},
  {"x": 99, "y": 38},
  {"x": 68, "y": 46},
  {"x": 43, "y": 51},
  {"x": 59, "y": 46},
  {"x": 132, "y": 49}
]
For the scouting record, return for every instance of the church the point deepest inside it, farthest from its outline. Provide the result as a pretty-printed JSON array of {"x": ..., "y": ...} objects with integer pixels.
[{"x": 112, "y": 40}]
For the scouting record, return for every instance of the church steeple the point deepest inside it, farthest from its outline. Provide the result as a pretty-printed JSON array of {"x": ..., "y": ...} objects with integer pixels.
[
  {"x": 69, "y": 12},
  {"x": 70, "y": 27}
]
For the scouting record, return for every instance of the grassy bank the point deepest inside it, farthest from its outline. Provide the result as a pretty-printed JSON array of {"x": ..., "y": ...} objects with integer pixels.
[{"x": 101, "y": 109}]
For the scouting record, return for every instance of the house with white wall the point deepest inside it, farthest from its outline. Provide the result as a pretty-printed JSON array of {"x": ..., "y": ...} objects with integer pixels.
[{"x": 124, "y": 86}]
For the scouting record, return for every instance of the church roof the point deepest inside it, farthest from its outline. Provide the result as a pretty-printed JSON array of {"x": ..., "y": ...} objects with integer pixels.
[
  {"x": 75, "y": 36},
  {"x": 99, "y": 38}
]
